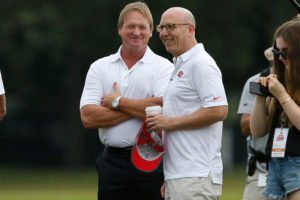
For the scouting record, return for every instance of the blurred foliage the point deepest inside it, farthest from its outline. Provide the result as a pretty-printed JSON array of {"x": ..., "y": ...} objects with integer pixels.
[{"x": 46, "y": 48}]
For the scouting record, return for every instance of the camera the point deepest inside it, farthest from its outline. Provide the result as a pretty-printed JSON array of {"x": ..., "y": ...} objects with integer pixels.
[{"x": 258, "y": 89}]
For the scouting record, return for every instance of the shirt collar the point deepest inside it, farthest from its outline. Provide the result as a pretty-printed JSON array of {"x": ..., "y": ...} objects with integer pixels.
[
  {"x": 147, "y": 58},
  {"x": 188, "y": 54}
]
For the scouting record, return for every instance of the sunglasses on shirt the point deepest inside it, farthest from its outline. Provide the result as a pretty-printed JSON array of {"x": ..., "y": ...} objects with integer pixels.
[{"x": 277, "y": 52}]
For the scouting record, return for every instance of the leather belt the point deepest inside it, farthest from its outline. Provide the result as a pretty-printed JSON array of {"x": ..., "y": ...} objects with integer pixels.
[{"x": 118, "y": 150}]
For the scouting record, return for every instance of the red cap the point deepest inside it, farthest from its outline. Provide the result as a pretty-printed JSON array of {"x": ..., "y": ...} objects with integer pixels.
[{"x": 147, "y": 153}]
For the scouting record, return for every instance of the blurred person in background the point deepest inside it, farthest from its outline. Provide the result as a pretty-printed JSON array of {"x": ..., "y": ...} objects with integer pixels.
[
  {"x": 117, "y": 90},
  {"x": 2, "y": 99},
  {"x": 195, "y": 106},
  {"x": 279, "y": 115},
  {"x": 256, "y": 162}
]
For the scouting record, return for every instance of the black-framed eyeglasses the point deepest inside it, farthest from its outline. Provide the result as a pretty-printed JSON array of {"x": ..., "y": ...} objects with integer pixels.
[
  {"x": 169, "y": 27},
  {"x": 283, "y": 53}
]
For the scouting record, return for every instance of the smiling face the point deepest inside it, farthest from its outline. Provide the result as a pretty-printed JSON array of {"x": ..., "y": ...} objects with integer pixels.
[
  {"x": 135, "y": 31},
  {"x": 181, "y": 38}
]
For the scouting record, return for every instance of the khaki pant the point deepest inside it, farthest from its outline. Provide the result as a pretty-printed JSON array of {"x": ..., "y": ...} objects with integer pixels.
[
  {"x": 252, "y": 191},
  {"x": 195, "y": 188}
]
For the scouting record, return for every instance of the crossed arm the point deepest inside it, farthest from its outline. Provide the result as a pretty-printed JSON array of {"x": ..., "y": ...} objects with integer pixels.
[{"x": 103, "y": 116}]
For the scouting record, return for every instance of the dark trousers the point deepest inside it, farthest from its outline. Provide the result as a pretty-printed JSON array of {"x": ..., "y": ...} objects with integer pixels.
[{"x": 118, "y": 179}]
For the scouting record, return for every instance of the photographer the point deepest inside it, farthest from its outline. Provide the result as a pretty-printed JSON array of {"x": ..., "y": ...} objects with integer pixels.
[
  {"x": 279, "y": 115},
  {"x": 256, "y": 162}
]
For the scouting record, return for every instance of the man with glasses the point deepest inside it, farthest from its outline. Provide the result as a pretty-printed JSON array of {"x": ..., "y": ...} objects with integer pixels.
[
  {"x": 117, "y": 90},
  {"x": 195, "y": 106}
]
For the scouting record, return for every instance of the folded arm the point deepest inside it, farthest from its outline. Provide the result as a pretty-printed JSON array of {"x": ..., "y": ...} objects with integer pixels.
[
  {"x": 93, "y": 116},
  {"x": 136, "y": 107},
  {"x": 133, "y": 107}
]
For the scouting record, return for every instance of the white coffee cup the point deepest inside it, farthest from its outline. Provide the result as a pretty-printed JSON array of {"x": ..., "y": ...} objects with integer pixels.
[{"x": 151, "y": 110}]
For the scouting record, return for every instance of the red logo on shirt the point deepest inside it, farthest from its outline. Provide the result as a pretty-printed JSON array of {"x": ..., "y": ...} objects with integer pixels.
[
  {"x": 216, "y": 98},
  {"x": 180, "y": 74}
]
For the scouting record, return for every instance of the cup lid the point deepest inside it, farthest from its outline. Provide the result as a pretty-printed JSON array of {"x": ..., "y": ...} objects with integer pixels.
[{"x": 151, "y": 108}]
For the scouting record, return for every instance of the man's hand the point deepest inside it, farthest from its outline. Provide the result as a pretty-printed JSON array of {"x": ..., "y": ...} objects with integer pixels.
[
  {"x": 159, "y": 122},
  {"x": 163, "y": 190},
  {"x": 107, "y": 100}
]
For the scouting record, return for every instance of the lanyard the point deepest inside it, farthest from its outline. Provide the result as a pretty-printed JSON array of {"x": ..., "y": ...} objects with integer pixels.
[{"x": 283, "y": 121}]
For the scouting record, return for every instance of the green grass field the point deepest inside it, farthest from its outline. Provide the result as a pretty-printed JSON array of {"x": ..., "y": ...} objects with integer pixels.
[{"x": 62, "y": 184}]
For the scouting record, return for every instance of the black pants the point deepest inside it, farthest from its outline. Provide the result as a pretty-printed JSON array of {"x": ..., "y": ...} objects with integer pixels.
[{"x": 118, "y": 179}]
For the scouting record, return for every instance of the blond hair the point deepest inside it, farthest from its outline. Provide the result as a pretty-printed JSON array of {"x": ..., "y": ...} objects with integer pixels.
[{"x": 139, "y": 7}]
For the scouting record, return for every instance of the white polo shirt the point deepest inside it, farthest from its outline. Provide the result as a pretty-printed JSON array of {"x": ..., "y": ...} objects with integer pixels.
[
  {"x": 2, "y": 91},
  {"x": 147, "y": 78},
  {"x": 196, "y": 83}
]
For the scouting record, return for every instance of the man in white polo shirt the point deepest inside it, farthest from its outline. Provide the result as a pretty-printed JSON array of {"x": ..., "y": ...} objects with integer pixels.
[
  {"x": 195, "y": 105},
  {"x": 117, "y": 90},
  {"x": 2, "y": 99}
]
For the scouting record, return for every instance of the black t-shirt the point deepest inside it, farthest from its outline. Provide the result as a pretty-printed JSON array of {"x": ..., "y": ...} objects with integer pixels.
[{"x": 293, "y": 139}]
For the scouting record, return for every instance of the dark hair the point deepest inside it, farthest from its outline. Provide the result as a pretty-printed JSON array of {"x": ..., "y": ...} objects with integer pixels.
[{"x": 290, "y": 33}]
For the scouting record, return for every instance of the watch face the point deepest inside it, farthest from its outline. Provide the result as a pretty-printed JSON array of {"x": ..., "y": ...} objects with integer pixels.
[{"x": 115, "y": 103}]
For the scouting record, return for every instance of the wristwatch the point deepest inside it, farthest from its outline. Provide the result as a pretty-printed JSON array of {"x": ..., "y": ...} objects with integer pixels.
[{"x": 116, "y": 102}]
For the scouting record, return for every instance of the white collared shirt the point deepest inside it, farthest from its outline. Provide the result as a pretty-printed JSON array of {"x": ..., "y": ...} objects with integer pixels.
[
  {"x": 148, "y": 77},
  {"x": 197, "y": 83}
]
